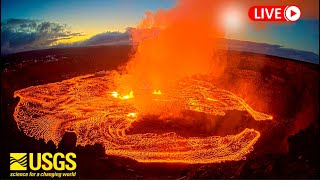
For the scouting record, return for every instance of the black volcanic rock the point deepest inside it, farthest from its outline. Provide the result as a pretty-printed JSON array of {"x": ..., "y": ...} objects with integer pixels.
[{"x": 68, "y": 142}]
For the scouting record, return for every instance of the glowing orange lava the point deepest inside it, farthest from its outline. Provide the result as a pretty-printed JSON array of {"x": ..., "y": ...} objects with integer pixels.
[
  {"x": 91, "y": 107},
  {"x": 156, "y": 92}
]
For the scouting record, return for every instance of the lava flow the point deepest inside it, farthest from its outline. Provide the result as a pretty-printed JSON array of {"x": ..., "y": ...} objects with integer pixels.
[{"x": 89, "y": 106}]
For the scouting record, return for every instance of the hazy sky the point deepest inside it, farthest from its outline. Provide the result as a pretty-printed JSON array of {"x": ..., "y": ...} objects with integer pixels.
[{"x": 97, "y": 16}]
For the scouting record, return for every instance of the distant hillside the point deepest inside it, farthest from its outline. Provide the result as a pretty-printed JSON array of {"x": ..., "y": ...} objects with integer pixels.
[
  {"x": 274, "y": 50},
  {"x": 235, "y": 45}
]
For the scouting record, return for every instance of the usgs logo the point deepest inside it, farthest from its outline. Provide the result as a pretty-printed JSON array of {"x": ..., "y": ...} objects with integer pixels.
[{"x": 42, "y": 161}]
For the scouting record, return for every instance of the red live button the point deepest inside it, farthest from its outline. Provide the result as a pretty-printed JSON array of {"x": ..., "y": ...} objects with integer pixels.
[{"x": 274, "y": 13}]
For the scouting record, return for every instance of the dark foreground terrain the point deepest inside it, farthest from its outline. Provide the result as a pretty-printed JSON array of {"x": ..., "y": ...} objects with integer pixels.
[{"x": 289, "y": 90}]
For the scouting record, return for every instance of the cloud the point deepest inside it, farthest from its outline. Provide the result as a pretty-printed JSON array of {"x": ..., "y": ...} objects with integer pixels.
[
  {"x": 26, "y": 34},
  {"x": 106, "y": 38}
]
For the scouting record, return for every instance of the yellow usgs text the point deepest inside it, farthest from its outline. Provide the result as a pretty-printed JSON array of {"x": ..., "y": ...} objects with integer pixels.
[{"x": 43, "y": 161}]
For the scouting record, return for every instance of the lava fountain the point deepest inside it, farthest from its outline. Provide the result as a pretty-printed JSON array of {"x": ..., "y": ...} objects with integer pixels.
[{"x": 174, "y": 47}]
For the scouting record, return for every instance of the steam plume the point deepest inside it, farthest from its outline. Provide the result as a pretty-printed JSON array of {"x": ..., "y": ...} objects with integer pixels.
[{"x": 175, "y": 43}]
